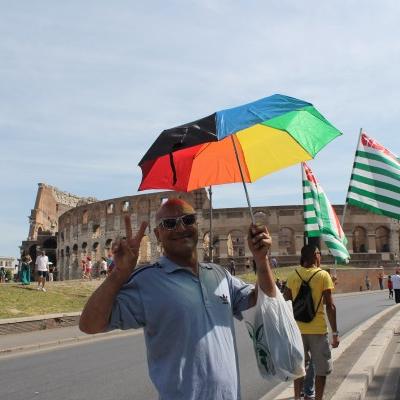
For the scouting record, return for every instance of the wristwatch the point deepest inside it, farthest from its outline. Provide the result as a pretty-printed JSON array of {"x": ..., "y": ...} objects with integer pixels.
[{"x": 335, "y": 333}]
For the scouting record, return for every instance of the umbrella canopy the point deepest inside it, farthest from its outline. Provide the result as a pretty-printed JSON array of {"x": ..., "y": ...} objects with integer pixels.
[{"x": 238, "y": 144}]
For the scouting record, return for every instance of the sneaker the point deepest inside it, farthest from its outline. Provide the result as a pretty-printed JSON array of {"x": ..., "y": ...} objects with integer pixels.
[
  {"x": 39, "y": 288},
  {"x": 44, "y": 290}
]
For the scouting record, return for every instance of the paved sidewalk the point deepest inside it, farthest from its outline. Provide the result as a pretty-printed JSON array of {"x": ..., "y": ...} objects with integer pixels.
[{"x": 356, "y": 359}]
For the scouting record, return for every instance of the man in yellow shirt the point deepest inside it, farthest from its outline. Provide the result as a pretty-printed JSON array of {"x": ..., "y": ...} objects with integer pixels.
[{"x": 315, "y": 332}]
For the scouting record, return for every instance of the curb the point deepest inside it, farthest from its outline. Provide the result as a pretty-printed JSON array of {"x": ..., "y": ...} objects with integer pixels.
[
  {"x": 38, "y": 322},
  {"x": 374, "y": 348},
  {"x": 355, "y": 385},
  {"x": 66, "y": 341}
]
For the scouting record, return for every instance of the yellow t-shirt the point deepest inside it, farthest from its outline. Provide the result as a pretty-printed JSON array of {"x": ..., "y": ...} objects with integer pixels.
[{"x": 320, "y": 282}]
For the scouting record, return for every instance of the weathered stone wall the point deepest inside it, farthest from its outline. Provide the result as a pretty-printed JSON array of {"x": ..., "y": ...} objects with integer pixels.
[
  {"x": 353, "y": 279},
  {"x": 87, "y": 227},
  {"x": 49, "y": 205},
  {"x": 89, "y": 230}
]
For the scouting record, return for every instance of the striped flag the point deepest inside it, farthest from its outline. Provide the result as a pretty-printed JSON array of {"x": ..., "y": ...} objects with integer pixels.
[
  {"x": 375, "y": 180},
  {"x": 320, "y": 219}
]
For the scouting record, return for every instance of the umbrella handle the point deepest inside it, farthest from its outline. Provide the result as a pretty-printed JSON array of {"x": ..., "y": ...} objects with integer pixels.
[{"x": 244, "y": 183}]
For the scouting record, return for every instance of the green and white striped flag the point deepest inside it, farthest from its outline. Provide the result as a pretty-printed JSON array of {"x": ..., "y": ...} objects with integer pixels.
[
  {"x": 320, "y": 219},
  {"x": 375, "y": 180}
]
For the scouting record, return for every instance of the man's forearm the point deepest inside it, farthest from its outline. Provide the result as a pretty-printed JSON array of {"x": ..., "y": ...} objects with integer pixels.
[
  {"x": 265, "y": 278},
  {"x": 97, "y": 311},
  {"x": 331, "y": 313}
]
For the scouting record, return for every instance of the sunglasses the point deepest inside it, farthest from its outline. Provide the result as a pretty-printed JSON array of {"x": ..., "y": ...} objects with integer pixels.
[{"x": 172, "y": 223}]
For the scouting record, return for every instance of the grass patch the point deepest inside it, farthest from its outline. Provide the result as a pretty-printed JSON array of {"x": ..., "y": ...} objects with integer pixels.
[
  {"x": 70, "y": 296},
  {"x": 25, "y": 301}
]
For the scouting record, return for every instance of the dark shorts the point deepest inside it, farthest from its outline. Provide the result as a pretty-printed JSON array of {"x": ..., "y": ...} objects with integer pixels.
[
  {"x": 42, "y": 274},
  {"x": 103, "y": 272}
]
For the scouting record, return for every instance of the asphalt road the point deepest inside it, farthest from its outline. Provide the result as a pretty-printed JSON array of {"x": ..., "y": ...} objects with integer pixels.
[{"x": 117, "y": 368}]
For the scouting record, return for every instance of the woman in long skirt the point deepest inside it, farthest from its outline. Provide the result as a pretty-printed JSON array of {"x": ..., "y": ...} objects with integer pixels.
[{"x": 25, "y": 276}]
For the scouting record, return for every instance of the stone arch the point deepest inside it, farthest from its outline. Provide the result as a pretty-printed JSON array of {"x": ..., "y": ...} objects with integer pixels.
[
  {"x": 236, "y": 243},
  {"x": 125, "y": 205},
  {"x": 286, "y": 241},
  {"x": 96, "y": 231},
  {"x": 382, "y": 239},
  {"x": 110, "y": 208},
  {"x": 75, "y": 273},
  {"x": 85, "y": 217},
  {"x": 216, "y": 247},
  {"x": 32, "y": 252},
  {"x": 206, "y": 245},
  {"x": 145, "y": 250},
  {"x": 360, "y": 240},
  {"x": 107, "y": 247},
  {"x": 50, "y": 243},
  {"x": 50, "y": 246},
  {"x": 84, "y": 250}
]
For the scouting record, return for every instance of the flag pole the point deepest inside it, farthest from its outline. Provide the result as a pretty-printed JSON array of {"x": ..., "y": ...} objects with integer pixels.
[
  {"x": 244, "y": 183},
  {"x": 210, "y": 236},
  {"x": 345, "y": 202},
  {"x": 302, "y": 188}
]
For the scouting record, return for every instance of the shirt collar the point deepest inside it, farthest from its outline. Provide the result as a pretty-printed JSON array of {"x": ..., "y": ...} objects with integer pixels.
[{"x": 169, "y": 266}]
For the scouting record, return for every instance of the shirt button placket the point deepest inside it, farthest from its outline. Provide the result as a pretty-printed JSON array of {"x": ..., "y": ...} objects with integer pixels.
[{"x": 204, "y": 293}]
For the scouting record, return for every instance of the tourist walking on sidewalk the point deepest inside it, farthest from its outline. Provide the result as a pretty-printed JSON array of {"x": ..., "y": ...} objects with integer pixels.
[
  {"x": 380, "y": 277},
  {"x": 232, "y": 267},
  {"x": 184, "y": 306},
  {"x": 396, "y": 286},
  {"x": 367, "y": 282},
  {"x": 42, "y": 267},
  {"x": 315, "y": 332},
  {"x": 390, "y": 287}
]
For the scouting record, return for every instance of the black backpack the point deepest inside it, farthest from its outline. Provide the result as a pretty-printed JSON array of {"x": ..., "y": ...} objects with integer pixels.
[{"x": 303, "y": 304}]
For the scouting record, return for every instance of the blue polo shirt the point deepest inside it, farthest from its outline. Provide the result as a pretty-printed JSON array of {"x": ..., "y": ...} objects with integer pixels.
[{"x": 188, "y": 327}]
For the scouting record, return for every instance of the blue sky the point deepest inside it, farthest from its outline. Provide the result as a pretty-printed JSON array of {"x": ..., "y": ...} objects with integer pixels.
[{"x": 86, "y": 87}]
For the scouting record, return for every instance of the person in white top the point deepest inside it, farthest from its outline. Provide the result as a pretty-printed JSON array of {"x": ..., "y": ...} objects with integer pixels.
[
  {"x": 42, "y": 266},
  {"x": 103, "y": 267},
  {"x": 396, "y": 286}
]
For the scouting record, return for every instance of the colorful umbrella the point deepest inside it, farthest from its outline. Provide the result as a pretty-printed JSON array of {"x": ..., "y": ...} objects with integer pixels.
[{"x": 240, "y": 144}]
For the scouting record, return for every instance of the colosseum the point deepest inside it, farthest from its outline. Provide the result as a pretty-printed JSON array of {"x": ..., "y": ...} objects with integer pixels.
[{"x": 70, "y": 228}]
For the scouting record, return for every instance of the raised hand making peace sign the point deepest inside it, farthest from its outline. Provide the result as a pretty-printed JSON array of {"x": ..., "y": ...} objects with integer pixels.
[{"x": 126, "y": 251}]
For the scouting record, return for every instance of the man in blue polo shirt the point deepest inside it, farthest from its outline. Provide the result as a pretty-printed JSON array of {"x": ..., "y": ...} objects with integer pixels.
[{"x": 185, "y": 308}]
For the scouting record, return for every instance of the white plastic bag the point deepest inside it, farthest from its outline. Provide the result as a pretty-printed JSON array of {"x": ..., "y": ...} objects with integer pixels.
[{"x": 276, "y": 337}]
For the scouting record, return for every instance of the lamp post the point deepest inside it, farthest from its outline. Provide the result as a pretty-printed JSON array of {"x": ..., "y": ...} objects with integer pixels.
[{"x": 210, "y": 245}]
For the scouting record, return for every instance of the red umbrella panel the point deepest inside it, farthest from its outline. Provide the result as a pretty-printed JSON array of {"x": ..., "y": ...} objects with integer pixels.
[{"x": 195, "y": 167}]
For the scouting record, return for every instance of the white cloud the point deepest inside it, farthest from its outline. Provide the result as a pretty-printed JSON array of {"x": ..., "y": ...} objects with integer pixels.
[{"x": 85, "y": 88}]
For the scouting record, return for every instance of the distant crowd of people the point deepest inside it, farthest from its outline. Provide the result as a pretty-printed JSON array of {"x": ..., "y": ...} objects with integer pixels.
[
  {"x": 105, "y": 266},
  {"x": 44, "y": 271}
]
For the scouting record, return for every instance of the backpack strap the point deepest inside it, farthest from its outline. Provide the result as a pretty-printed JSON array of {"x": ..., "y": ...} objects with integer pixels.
[
  {"x": 322, "y": 295},
  {"x": 297, "y": 272},
  {"x": 312, "y": 276}
]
